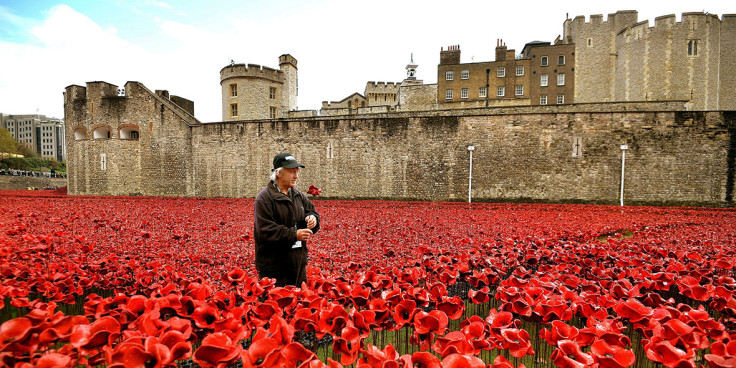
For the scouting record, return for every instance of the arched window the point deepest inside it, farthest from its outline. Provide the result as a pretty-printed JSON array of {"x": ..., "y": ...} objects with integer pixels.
[
  {"x": 80, "y": 133},
  {"x": 101, "y": 132},
  {"x": 129, "y": 132}
]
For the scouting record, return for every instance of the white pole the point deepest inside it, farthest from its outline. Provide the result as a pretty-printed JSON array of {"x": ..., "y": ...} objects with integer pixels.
[
  {"x": 470, "y": 175},
  {"x": 624, "y": 147}
]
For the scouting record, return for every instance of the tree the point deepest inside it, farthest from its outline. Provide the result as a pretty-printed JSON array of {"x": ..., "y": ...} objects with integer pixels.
[{"x": 7, "y": 143}]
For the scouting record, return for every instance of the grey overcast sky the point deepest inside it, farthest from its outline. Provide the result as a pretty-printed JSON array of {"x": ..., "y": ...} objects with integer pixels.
[{"x": 181, "y": 46}]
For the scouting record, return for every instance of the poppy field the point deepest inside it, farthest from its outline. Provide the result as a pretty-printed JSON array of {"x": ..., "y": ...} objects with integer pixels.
[{"x": 167, "y": 282}]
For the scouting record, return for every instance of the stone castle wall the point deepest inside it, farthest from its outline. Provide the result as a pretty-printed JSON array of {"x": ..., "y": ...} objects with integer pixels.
[
  {"x": 158, "y": 163},
  {"x": 521, "y": 153},
  {"x": 673, "y": 157},
  {"x": 621, "y": 59}
]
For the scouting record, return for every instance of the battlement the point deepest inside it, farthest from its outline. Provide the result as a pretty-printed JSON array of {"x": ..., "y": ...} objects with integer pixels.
[
  {"x": 251, "y": 71},
  {"x": 669, "y": 21},
  {"x": 287, "y": 59},
  {"x": 621, "y": 16},
  {"x": 381, "y": 86}
]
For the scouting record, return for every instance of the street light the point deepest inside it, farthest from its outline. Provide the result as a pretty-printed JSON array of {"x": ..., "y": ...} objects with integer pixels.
[
  {"x": 470, "y": 176},
  {"x": 624, "y": 147}
]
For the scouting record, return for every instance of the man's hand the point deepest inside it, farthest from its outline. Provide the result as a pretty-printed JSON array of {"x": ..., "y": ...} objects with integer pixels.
[
  {"x": 311, "y": 221},
  {"x": 303, "y": 234}
]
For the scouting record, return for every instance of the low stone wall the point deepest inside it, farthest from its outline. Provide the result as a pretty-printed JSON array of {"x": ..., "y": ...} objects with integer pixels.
[{"x": 9, "y": 182}]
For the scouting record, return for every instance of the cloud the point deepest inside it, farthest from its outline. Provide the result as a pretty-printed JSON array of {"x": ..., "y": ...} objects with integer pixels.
[
  {"x": 162, "y": 4},
  {"x": 67, "y": 48}
]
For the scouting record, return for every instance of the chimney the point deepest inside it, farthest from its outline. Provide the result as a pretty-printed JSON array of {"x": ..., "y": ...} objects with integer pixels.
[{"x": 500, "y": 50}]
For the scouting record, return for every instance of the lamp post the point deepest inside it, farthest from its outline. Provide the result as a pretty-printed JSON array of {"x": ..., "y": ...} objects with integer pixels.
[
  {"x": 624, "y": 147},
  {"x": 470, "y": 175}
]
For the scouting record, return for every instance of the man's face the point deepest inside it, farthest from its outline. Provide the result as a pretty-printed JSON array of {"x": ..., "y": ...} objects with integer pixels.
[{"x": 287, "y": 178}]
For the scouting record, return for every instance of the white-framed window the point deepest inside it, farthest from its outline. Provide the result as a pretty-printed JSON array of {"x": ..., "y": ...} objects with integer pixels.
[
  {"x": 545, "y": 61},
  {"x": 519, "y": 70},
  {"x": 448, "y": 75},
  {"x": 482, "y": 92},
  {"x": 272, "y": 112},
  {"x": 464, "y": 93},
  {"x": 465, "y": 74},
  {"x": 561, "y": 79},
  {"x": 448, "y": 94},
  {"x": 234, "y": 109},
  {"x": 500, "y": 91},
  {"x": 561, "y": 60},
  {"x": 501, "y": 72},
  {"x": 692, "y": 47},
  {"x": 543, "y": 80},
  {"x": 234, "y": 90},
  {"x": 519, "y": 90},
  {"x": 103, "y": 161},
  {"x": 560, "y": 99},
  {"x": 543, "y": 99}
]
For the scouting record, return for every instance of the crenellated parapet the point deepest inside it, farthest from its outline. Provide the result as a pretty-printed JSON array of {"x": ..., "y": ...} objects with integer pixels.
[
  {"x": 381, "y": 86},
  {"x": 251, "y": 71}
]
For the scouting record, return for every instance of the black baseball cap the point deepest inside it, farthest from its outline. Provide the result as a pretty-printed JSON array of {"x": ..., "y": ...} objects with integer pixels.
[{"x": 285, "y": 160}]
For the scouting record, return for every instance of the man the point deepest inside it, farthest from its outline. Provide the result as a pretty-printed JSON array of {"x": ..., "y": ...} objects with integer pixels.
[{"x": 285, "y": 219}]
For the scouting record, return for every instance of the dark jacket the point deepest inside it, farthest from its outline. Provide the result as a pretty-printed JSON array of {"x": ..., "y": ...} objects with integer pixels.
[{"x": 277, "y": 217}]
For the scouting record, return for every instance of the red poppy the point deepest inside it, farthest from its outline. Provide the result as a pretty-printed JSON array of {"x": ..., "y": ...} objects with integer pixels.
[
  {"x": 261, "y": 313},
  {"x": 569, "y": 355},
  {"x": 454, "y": 307},
  {"x": 294, "y": 355},
  {"x": 717, "y": 361},
  {"x": 217, "y": 350},
  {"x": 632, "y": 310},
  {"x": 454, "y": 342},
  {"x": 314, "y": 190},
  {"x": 421, "y": 359},
  {"x": 305, "y": 320},
  {"x": 262, "y": 353},
  {"x": 364, "y": 320},
  {"x": 434, "y": 321},
  {"x": 374, "y": 357},
  {"x": 103, "y": 331},
  {"x": 462, "y": 361},
  {"x": 553, "y": 309},
  {"x": 53, "y": 360},
  {"x": 611, "y": 356},
  {"x": 501, "y": 362},
  {"x": 405, "y": 311},
  {"x": 559, "y": 331},
  {"x": 14, "y": 330},
  {"x": 517, "y": 341},
  {"x": 348, "y": 344},
  {"x": 205, "y": 316},
  {"x": 500, "y": 320},
  {"x": 661, "y": 351},
  {"x": 234, "y": 278},
  {"x": 477, "y": 332},
  {"x": 479, "y": 296},
  {"x": 178, "y": 345},
  {"x": 332, "y": 320}
]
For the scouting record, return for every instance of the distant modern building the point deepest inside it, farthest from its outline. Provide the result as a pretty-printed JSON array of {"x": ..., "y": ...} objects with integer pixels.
[{"x": 43, "y": 135}]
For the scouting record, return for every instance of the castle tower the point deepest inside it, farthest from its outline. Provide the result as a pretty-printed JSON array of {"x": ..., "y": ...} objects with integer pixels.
[
  {"x": 257, "y": 92},
  {"x": 287, "y": 63}
]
